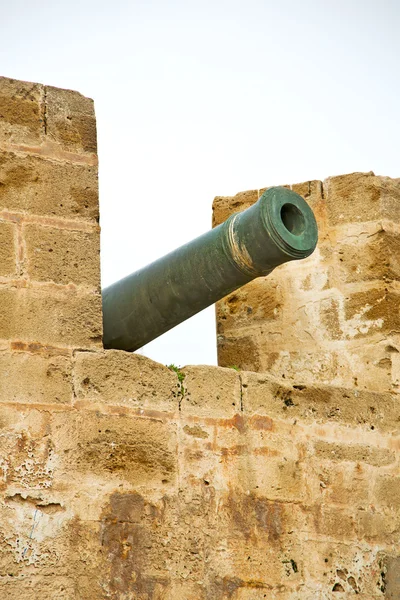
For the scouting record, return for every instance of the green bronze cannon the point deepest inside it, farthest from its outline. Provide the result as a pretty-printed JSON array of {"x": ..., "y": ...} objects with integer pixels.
[{"x": 278, "y": 228}]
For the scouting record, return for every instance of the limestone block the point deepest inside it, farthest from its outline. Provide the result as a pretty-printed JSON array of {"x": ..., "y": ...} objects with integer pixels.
[
  {"x": 7, "y": 249},
  {"x": 224, "y": 206},
  {"x": 387, "y": 491},
  {"x": 302, "y": 366},
  {"x": 44, "y": 187},
  {"x": 122, "y": 378},
  {"x": 21, "y": 116},
  {"x": 378, "y": 457},
  {"x": 254, "y": 549},
  {"x": 371, "y": 411},
  {"x": 120, "y": 447},
  {"x": 359, "y": 197},
  {"x": 340, "y": 483},
  {"x": 70, "y": 120},
  {"x": 49, "y": 588},
  {"x": 60, "y": 317},
  {"x": 26, "y": 451},
  {"x": 246, "y": 308},
  {"x": 240, "y": 351},
  {"x": 62, "y": 256},
  {"x": 376, "y": 309},
  {"x": 209, "y": 391},
  {"x": 278, "y": 478},
  {"x": 32, "y": 378},
  {"x": 330, "y": 521},
  {"x": 378, "y": 527},
  {"x": 46, "y": 548},
  {"x": 375, "y": 256}
]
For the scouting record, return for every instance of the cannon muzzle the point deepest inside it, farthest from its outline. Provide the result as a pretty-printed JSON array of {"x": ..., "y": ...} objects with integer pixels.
[{"x": 278, "y": 228}]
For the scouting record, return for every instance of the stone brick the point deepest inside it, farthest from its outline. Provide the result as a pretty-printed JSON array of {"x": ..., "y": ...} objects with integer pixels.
[
  {"x": 371, "y": 310},
  {"x": 21, "y": 113},
  {"x": 7, "y": 249},
  {"x": 278, "y": 478},
  {"x": 347, "y": 485},
  {"x": 266, "y": 396},
  {"x": 62, "y": 256},
  {"x": 351, "y": 197},
  {"x": 245, "y": 307},
  {"x": 62, "y": 588},
  {"x": 209, "y": 391},
  {"x": 59, "y": 317},
  {"x": 26, "y": 453},
  {"x": 122, "y": 447},
  {"x": 241, "y": 352},
  {"x": 376, "y": 258},
  {"x": 379, "y": 527},
  {"x": 44, "y": 187},
  {"x": 224, "y": 206},
  {"x": 30, "y": 378},
  {"x": 331, "y": 521},
  {"x": 387, "y": 491},
  {"x": 70, "y": 120},
  {"x": 378, "y": 457},
  {"x": 122, "y": 378}
]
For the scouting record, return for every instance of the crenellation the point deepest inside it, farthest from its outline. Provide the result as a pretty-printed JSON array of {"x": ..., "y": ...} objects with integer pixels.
[{"x": 275, "y": 477}]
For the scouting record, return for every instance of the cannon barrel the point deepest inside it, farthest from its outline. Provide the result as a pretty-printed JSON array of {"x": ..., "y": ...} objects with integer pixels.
[{"x": 278, "y": 228}]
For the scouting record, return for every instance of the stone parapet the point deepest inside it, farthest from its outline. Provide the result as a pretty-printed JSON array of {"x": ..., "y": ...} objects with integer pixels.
[
  {"x": 334, "y": 317},
  {"x": 123, "y": 479},
  {"x": 49, "y": 232}
]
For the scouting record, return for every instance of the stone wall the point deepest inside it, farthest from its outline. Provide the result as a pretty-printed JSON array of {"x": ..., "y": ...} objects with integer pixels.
[
  {"x": 334, "y": 317},
  {"x": 123, "y": 479}
]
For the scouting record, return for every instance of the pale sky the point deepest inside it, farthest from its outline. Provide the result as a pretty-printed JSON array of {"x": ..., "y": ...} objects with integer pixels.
[{"x": 196, "y": 99}]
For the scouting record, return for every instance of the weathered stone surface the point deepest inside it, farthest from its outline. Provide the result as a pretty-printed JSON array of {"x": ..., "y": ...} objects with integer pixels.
[
  {"x": 62, "y": 256},
  {"x": 359, "y": 197},
  {"x": 121, "y": 378},
  {"x": 62, "y": 588},
  {"x": 373, "y": 257},
  {"x": 378, "y": 457},
  {"x": 351, "y": 569},
  {"x": 32, "y": 378},
  {"x": 21, "y": 115},
  {"x": 50, "y": 188},
  {"x": 59, "y": 317},
  {"x": 70, "y": 120},
  {"x": 138, "y": 450},
  {"x": 211, "y": 391},
  {"x": 392, "y": 577},
  {"x": 378, "y": 527},
  {"x": 26, "y": 457},
  {"x": 263, "y": 394},
  {"x": 387, "y": 491},
  {"x": 240, "y": 352},
  {"x": 7, "y": 249},
  {"x": 245, "y": 307}
]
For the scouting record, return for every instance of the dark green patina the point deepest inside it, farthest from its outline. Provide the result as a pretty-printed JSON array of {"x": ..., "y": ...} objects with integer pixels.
[{"x": 278, "y": 228}]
